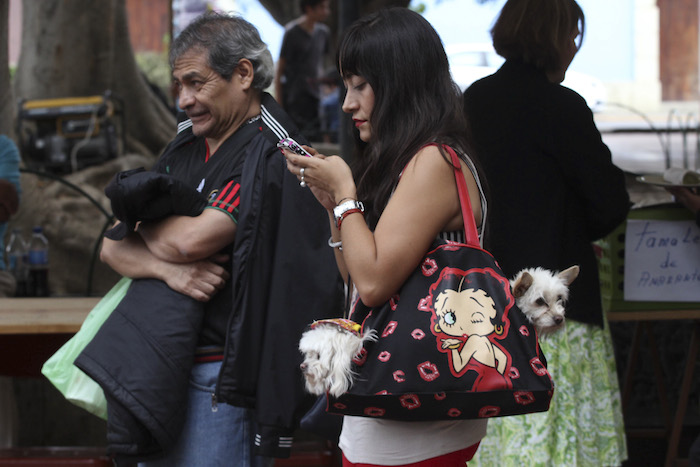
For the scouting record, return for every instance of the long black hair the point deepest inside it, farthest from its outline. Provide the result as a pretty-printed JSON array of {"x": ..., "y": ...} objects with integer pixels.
[{"x": 415, "y": 99}]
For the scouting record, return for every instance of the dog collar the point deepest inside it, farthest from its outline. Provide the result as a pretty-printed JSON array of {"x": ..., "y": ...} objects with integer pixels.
[{"x": 346, "y": 324}]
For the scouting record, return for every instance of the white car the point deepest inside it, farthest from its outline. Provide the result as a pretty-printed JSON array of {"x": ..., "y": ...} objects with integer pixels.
[{"x": 472, "y": 61}]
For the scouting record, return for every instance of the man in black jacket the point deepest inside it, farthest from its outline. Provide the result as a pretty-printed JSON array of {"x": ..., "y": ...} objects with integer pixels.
[{"x": 259, "y": 291}]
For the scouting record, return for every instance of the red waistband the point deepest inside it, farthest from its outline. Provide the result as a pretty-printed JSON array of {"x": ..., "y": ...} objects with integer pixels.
[{"x": 209, "y": 355}]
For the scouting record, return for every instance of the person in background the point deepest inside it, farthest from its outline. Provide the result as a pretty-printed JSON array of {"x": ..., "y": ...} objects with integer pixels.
[
  {"x": 406, "y": 182},
  {"x": 9, "y": 204},
  {"x": 300, "y": 66},
  {"x": 259, "y": 229},
  {"x": 688, "y": 198},
  {"x": 554, "y": 190},
  {"x": 330, "y": 107}
]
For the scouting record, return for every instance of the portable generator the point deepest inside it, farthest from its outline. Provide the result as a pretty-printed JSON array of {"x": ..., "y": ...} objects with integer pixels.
[{"x": 65, "y": 135}]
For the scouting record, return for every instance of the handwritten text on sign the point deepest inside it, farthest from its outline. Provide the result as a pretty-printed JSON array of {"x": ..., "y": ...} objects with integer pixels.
[{"x": 662, "y": 261}]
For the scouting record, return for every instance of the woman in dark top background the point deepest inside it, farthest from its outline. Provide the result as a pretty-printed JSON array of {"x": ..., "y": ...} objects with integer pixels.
[{"x": 554, "y": 190}]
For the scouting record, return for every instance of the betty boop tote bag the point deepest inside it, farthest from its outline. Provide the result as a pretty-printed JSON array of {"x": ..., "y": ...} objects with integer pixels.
[{"x": 452, "y": 344}]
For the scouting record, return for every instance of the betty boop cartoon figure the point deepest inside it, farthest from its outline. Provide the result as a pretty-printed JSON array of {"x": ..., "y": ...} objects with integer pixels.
[{"x": 468, "y": 326}]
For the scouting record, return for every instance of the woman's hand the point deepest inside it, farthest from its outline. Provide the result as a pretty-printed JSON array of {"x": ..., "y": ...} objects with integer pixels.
[{"x": 328, "y": 177}]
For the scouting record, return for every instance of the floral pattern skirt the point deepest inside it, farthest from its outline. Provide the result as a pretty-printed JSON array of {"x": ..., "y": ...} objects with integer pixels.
[{"x": 584, "y": 425}]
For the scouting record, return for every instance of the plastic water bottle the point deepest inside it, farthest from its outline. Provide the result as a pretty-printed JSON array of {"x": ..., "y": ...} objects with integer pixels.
[
  {"x": 16, "y": 251},
  {"x": 38, "y": 264}
]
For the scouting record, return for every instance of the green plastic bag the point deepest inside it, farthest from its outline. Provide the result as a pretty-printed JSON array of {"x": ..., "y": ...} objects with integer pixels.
[{"x": 75, "y": 385}]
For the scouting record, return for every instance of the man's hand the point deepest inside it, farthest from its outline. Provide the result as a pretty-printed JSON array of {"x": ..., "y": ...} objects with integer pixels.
[{"x": 200, "y": 279}]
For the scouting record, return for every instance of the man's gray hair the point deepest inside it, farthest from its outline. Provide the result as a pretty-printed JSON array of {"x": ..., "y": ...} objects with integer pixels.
[{"x": 227, "y": 39}]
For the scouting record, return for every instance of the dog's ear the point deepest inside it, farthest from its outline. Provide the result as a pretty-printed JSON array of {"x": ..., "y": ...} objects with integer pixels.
[
  {"x": 345, "y": 345},
  {"x": 522, "y": 283},
  {"x": 568, "y": 275}
]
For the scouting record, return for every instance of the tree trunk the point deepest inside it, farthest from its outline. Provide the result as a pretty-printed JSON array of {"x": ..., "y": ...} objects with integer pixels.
[
  {"x": 77, "y": 48},
  {"x": 284, "y": 11}
]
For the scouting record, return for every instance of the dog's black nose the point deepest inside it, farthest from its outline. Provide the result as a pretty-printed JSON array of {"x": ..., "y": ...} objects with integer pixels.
[{"x": 558, "y": 319}]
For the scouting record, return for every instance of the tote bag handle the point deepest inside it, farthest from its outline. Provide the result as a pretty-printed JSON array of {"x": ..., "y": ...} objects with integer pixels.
[{"x": 470, "y": 231}]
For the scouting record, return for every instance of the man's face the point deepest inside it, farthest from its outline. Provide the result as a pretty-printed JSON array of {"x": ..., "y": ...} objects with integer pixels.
[
  {"x": 212, "y": 103},
  {"x": 319, "y": 12}
]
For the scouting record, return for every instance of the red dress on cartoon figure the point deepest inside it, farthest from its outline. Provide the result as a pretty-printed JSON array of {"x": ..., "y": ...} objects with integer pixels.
[
  {"x": 470, "y": 313},
  {"x": 489, "y": 378}
]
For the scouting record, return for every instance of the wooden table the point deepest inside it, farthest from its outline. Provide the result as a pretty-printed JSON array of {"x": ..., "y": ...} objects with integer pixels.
[
  {"x": 44, "y": 315},
  {"x": 32, "y": 329},
  {"x": 673, "y": 428}
]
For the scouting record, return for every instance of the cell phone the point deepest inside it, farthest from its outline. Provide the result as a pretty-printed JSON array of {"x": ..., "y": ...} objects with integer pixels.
[{"x": 289, "y": 143}]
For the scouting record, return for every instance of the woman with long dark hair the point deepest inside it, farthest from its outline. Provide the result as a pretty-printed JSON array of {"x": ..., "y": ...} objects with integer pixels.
[{"x": 400, "y": 195}]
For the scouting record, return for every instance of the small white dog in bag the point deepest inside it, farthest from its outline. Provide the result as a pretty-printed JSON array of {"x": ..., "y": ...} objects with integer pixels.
[
  {"x": 541, "y": 295},
  {"x": 330, "y": 345}
]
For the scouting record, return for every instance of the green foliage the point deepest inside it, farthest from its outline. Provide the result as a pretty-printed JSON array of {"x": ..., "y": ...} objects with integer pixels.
[
  {"x": 419, "y": 7},
  {"x": 156, "y": 68}
]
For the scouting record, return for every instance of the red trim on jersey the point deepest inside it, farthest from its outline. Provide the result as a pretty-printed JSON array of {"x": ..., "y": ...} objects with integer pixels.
[
  {"x": 232, "y": 194},
  {"x": 229, "y": 197}
]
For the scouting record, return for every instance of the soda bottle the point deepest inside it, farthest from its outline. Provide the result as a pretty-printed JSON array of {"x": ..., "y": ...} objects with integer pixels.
[
  {"x": 16, "y": 250},
  {"x": 38, "y": 264}
]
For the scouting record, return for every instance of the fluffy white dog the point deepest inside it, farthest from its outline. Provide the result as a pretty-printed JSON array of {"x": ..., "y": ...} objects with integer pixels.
[
  {"x": 329, "y": 348},
  {"x": 541, "y": 294}
]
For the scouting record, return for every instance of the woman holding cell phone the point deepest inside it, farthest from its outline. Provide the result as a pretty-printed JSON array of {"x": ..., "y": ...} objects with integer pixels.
[{"x": 400, "y": 195}]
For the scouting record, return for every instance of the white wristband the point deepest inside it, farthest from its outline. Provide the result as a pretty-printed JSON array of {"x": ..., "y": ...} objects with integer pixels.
[{"x": 332, "y": 244}]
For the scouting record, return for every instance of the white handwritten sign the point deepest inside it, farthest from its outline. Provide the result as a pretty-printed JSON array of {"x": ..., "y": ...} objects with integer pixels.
[{"x": 662, "y": 261}]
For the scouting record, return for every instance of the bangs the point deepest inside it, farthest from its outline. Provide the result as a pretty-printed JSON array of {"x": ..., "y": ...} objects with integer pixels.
[
  {"x": 359, "y": 52},
  {"x": 349, "y": 58}
]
